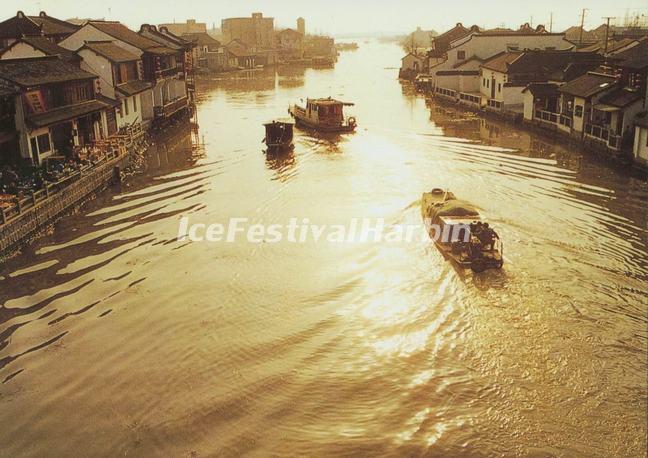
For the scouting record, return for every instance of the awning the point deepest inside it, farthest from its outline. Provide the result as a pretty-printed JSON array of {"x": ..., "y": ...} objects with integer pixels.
[
  {"x": 604, "y": 107},
  {"x": 65, "y": 113}
]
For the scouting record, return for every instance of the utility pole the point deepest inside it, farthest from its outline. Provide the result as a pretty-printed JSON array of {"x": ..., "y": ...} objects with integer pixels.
[
  {"x": 551, "y": 22},
  {"x": 607, "y": 32},
  {"x": 580, "y": 40}
]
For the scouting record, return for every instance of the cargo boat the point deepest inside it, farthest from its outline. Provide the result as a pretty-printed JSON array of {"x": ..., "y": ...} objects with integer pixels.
[
  {"x": 325, "y": 115},
  {"x": 459, "y": 232}
]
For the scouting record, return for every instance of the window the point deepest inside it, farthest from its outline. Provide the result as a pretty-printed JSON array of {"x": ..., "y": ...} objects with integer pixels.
[
  {"x": 578, "y": 111},
  {"x": 499, "y": 87},
  {"x": 487, "y": 83},
  {"x": 42, "y": 142},
  {"x": 126, "y": 107},
  {"x": 135, "y": 103},
  {"x": 461, "y": 55}
]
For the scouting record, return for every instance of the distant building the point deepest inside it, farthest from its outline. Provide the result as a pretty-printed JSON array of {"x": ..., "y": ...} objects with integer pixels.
[
  {"x": 291, "y": 44},
  {"x": 239, "y": 55},
  {"x": 190, "y": 26},
  {"x": 256, "y": 31},
  {"x": 301, "y": 25},
  {"x": 207, "y": 52}
]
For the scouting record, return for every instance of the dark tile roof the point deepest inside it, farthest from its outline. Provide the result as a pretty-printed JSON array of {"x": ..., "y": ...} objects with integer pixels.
[
  {"x": 52, "y": 26},
  {"x": 554, "y": 65},
  {"x": 51, "y": 49},
  {"x": 620, "y": 98},
  {"x": 542, "y": 89},
  {"x": 201, "y": 39},
  {"x": 500, "y": 62},
  {"x": 634, "y": 58},
  {"x": 65, "y": 113},
  {"x": 442, "y": 42},
  {"x": 587, "y": 85},
  {"x": 108, "y": 101},
  {"x": 19, "y": 26},
  {"x": 110, "y": 51},
  {"x": 133, "y": 87},
  {"x": 35, "y": 71},
  {"x": 121, "y": 32},
  {"x": 151, "y": 32},
  {"x": 163, "y": 30}
]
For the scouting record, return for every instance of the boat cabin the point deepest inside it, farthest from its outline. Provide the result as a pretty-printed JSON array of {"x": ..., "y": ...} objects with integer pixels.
[
  {"x": 326, "y": 111},
  {"x": 279, "y": 133}
]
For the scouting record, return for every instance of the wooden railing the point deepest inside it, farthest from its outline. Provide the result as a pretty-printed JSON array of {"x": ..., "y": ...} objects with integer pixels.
[
  {"x": 604, "y": 134},
  {"x": 25, "y": 203},
  {"x": 171, "y": 108},
  {"x": 547, "y": 116}
]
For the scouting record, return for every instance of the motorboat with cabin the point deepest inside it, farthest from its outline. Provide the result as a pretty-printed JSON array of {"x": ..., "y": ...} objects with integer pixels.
[
  {"x": 459, "y": 232},
  {"x": 279, "y": 134},
  {"x": 325, "y": 115}
]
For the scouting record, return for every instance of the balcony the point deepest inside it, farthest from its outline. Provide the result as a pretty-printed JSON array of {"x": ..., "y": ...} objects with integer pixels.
[
  {"x": 170, "y": 108},
  {"x": 603, "y": 134},
  {"x": 547, "y": 116},
  {"x": 166, "y": 72}
]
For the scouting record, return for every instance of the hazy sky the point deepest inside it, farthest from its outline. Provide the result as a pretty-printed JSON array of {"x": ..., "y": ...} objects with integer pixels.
[{"x": 339, "y": 17}]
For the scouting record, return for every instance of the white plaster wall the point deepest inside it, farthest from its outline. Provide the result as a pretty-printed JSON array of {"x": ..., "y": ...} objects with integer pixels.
[
  {"x": 528, "y": 99},
  {"x": 133, "y": 116},
  {"x": 640, "y": 147},
  {"x": 101, "y": 67}
]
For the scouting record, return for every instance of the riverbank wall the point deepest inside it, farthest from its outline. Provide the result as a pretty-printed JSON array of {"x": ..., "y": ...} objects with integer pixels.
[{"x": 45, "y": 207}]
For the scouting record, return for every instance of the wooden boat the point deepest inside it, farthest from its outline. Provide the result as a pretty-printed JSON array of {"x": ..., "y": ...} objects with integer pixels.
[
  {"x": 459, "y": 232},
  {"x": 325, "y": 115},
  {"x": 279, "y": 134}
]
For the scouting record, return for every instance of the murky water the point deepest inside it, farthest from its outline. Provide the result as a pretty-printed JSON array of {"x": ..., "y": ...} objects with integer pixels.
[{"x": 115, "y": 338}]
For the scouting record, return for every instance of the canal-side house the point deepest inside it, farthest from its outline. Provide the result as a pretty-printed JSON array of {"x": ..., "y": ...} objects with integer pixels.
[
  {"x": 21, "y": 25},
  {"x": 121, "y": 83},
  {"x": 412, "y": 65},
  {"x": 207, "y": 51},
  {"x": 417, "y": 63},
  {"x": 184, "y": 53},
  {"x": 56, "y": 110},
  {"x": 468, "y": 53},
  {"x": 505, "y": 76},
  {"x": 160, "y": 66},
  {"x": 239, "y": 56}
]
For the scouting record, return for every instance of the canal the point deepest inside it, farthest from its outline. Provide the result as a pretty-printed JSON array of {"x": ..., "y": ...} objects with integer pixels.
[{"x": 116, "y": 338}]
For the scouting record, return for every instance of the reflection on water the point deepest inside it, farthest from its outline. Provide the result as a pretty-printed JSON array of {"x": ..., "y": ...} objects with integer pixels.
[{"x": 113, "y": 330}]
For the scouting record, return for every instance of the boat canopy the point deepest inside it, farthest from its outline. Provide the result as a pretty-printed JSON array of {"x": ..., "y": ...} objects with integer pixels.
[
  {"x": 455, "y": 208},
  {"x": 279, "y": 121},
  {"x": 330, "y": 101}
]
